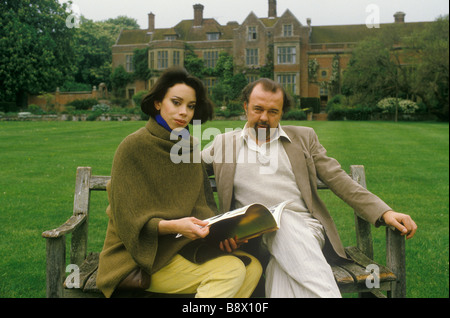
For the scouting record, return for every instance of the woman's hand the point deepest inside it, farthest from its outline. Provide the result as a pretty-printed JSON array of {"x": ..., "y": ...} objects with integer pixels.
[{"x": 189, "y": 227}]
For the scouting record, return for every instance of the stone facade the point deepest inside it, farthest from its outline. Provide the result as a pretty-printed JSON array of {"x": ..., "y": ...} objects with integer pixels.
[{"x": 292, "y": 45}]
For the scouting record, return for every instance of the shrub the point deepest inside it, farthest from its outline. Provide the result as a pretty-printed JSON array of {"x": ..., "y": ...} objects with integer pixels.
[
  {"x": 294, "y": 114},
  {"x": 405, "y": 106},
  {"x": 137, "y": 98},
  {"x": 358, "y": 113},
  {"x": 103, "y": 108},
  {"x": 35, "y": 109},
  {"x": 83, "y": 104},
  {"x": 311, "y": 102}
]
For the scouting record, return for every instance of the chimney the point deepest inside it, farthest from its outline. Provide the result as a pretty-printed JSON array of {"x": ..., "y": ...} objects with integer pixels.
[
  {"x": 198, "y": 15},
  {"x": 151, "y": 22},
  {"x": 399, "y": 17},
  {"x": 272, "y": 8}
]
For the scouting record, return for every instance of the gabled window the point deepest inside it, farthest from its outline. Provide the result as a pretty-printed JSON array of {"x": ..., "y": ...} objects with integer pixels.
[
  {"x": 213, "y": 36},
  {"x": 287, "y": 30},
  {"x": 252, "y": 35}
]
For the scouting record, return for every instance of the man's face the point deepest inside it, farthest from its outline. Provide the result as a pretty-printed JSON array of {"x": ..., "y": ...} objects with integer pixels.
[{"x": 264, "y": 110}]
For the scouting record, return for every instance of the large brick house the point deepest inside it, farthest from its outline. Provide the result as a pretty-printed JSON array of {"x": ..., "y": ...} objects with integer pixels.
[{"x": 303, "y": 56}]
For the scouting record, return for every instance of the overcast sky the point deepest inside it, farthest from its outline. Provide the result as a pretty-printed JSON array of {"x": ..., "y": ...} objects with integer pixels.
[{"x": 322, "y": 12}]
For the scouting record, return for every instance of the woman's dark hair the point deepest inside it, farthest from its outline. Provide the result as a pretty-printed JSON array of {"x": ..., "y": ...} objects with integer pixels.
[
  {"x": 269, "y": 86},
  {"x": 177, "y": 75}
]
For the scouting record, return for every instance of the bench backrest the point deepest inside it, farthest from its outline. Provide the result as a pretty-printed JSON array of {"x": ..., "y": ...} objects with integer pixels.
[{"x": 86, "y": 182}]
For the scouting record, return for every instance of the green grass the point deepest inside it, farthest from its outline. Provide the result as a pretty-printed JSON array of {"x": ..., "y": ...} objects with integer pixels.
[{"x": 407, "y": 164}]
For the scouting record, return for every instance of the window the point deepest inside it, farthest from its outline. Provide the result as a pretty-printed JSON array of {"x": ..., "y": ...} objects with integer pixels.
[
  {"x": 251, "y": 57},
  {"x": 252, "y": 78},
  {"x": 176, "y": 57},
  {"x": 286, "y": 55},
  {"x": 251, "y": 33},
  {"x": 287, "y": 30},
  {"x": 288, "y": 81},
  {"x": 209, "y": 83},
  {"x": 163, "y": 59},
  {"x": 129, "y": 63},
  {"x": 210, "y": 58},
  {"x": 152, "y": 60},
  {"x": 323, "y": 91},
  {"x": 212, "y": 36},
  {"x": 170, "y": 37}
]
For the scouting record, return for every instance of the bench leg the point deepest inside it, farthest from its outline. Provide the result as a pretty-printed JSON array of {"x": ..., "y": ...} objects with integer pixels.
[
  {"x": 396, "y": 261},
  {"x": 56, "y": 251}
]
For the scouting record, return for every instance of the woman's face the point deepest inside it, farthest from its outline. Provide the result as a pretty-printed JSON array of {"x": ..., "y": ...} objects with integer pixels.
[{"x": 177, "y": 107}]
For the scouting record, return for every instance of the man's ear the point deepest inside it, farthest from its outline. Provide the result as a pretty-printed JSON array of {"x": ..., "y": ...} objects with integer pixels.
[
  {"x": 245, "y": 107},
  {"x": 158, "y": 105}
]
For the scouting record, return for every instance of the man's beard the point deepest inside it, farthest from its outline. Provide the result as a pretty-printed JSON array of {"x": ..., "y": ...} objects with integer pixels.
[{"x": 264, "y": 129}]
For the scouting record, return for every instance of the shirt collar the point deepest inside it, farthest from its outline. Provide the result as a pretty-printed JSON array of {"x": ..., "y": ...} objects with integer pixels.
[{"x": 278, "y": 134}]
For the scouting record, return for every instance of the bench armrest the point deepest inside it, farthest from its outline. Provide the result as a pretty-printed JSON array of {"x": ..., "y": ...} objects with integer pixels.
[{"x": 68, "y": 227}]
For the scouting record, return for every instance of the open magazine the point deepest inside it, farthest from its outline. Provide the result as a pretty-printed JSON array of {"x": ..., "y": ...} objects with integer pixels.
[{"x": 245, "y": 223}]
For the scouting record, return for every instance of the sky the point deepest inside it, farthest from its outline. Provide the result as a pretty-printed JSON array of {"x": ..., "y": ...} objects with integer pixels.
[{"x": 322, "y": 12}]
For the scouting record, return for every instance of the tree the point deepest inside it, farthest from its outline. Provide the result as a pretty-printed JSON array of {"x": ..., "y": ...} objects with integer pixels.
[
  {"x": 140, "y": 62},
  {"x": 430, "y": 48},
  {"x": 35, "y": 48},
  {"x": 366, "y": 75},
  {"x": 119, "y": 80},
  {"x": 93, "y": 43}
]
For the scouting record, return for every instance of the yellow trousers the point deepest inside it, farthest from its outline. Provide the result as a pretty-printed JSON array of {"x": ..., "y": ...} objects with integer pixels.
[{"x": 222, "y": 277}]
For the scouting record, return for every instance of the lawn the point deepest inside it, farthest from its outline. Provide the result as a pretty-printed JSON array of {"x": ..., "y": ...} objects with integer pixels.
[{"x": 407, "y": 164}]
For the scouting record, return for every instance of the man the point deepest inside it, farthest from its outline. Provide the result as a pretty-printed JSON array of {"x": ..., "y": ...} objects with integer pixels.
[{"x": 267, "y": 163}]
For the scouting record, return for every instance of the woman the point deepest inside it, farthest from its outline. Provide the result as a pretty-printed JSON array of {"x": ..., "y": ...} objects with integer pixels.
[{"x": 152, "y": 199}]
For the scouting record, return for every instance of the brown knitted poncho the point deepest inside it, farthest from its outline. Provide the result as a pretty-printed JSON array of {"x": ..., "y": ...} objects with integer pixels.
[{"x": 146, "y": 187}]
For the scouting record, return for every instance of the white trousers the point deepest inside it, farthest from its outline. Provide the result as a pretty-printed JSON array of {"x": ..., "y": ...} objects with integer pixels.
[{"x": 297, "y": 266}]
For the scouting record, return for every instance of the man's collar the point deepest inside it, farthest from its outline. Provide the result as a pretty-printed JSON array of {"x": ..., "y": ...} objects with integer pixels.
[{"x": 278, "y": 134}]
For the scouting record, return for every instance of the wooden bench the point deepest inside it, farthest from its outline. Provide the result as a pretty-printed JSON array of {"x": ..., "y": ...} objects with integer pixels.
[{"x": 350, "y": 277}]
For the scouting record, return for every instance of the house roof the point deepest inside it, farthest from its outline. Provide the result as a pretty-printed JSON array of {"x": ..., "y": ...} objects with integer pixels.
[
  {"x": 354, "y": 33},
  {"x": 184, "y": 29}
]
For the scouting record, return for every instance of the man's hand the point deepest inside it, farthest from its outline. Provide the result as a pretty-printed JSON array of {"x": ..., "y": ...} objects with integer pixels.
[
  {"x": 229, "y": 245},
  {"x": 402, "y": 222}
]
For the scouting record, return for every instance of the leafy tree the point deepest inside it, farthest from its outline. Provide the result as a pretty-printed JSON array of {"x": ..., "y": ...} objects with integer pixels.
[
  {"x": 119, "y": 80},
  {"x": 430, "y": 48},
  {"x": 193, "y": 64},
  {"x": 140, "y": 62},
  {"x": 93, "y": 46},
  {"x": 35, "y": 48}
]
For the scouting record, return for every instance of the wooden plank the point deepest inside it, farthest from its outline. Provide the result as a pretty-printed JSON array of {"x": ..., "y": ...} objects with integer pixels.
[
  {"x": 341, "y": 276},
  {"x": 363, "y": 262},
  {"x": 79, "y": 240},
  {"x": 99, "y": 182},
  {"x": 396, "y": 260},
  {"x": 87, "y": 268},
  {"x": 68, "y": 227},
  {"x": 363, "y": 229},
  {"x": 55, "y": 268}
]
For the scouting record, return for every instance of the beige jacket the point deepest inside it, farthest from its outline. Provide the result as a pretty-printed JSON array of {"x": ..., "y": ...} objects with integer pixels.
[{"x": 309, "y": 162}]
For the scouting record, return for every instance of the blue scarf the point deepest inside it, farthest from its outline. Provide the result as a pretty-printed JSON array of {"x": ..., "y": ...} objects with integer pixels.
[{"x": 161, "y": 121}]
